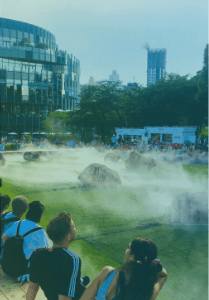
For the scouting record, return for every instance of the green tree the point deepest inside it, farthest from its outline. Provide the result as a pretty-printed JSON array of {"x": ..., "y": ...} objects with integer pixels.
[
  {"x": 24, "y": 42},
  {"x": 55, "y": 123},
  {"x": 99, "y": 109},
  {"x": 42, "y": 45}
]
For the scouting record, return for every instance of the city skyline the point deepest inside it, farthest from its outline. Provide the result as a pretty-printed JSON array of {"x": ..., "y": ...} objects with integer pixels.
[{"x": 112, "y": 36}]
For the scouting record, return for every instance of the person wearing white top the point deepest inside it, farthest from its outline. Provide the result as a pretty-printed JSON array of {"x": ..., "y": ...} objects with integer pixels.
[{"x": 34, "y": 240}]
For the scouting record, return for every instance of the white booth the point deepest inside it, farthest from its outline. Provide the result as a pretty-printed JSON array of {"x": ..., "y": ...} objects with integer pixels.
[{"x": 178, "y": 135}]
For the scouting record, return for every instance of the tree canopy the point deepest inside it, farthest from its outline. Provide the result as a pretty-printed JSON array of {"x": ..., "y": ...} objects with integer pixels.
[{"x": 173, "y": 101}]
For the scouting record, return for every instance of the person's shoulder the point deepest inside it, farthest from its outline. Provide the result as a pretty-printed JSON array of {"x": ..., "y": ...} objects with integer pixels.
[
  {"x": 39, "y": 254},
  {"x": 8, "y": 215},
  {"x": 70, "y": 253},
  {"x": 27, "y": 224},
  {"x": 106, "y": 270}
]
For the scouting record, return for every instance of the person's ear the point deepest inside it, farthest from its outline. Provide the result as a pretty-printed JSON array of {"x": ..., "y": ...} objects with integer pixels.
[
  {"x": 132, "y": 257},
  {"x": 69, "y": 237}
]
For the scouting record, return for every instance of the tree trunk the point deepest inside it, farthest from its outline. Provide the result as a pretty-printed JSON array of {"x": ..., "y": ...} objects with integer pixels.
[{"x": 103, "y": 134}]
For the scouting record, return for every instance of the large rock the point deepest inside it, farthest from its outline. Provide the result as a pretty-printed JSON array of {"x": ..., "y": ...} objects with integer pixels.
[
  {"x": 112, "y": 156},
  {"x": 96, "y": 176},
  {"x": 31, "y": 156},
  {"x": 137, "y": 161},
  {"x": 2, "y": 160},
  {"x": 190, "y": 208}
]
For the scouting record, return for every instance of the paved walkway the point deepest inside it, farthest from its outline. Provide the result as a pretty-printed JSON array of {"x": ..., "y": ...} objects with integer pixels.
[{"x": 15, "y": 291}]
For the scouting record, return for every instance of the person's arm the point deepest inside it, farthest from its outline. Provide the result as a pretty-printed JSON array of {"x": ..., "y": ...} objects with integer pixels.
[
  {"x": 10, "y": 232},
  {"x": 32, "y": 291},
  {"x": 4, "y": 237},
  {"x": 92, "y": 289},
  {"x": 161, "y": 279},
  {"x": 61, "y": 297}
]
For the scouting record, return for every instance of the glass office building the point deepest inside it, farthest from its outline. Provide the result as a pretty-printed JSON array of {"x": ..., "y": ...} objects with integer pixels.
[
  {"x": 156, "y": 65},
  {"x": 35, "y": 76}
]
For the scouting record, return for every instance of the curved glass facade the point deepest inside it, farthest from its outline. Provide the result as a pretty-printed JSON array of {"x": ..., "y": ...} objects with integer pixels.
[{"x": 35, "y": 76}]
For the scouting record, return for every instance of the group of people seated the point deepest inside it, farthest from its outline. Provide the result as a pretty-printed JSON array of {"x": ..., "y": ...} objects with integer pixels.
[{"x": 57, "y": 270}]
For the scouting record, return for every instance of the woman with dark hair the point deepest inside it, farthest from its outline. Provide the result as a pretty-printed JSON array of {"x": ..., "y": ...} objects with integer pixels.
[{"x": 140, "y": 278}]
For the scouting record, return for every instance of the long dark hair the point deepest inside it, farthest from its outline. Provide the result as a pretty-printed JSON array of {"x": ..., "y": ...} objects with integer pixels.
[{"x": 141, "y": 272}]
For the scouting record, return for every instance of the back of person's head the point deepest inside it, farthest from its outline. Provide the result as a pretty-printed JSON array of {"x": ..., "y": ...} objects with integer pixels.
[
  {"x": 4, "y": 202},
  {"x": 141, "y": 271},
  {"x": 19, "y": 205},
  {"x": 35, "y": 211},
  {"x": 59, "y": 227}
]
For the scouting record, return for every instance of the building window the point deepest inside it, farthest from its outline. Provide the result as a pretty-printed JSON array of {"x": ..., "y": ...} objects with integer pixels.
[
  {"x": 6, "y": 32},
  {"x": 25, "y": 93},
  {"x": 20, "y": 35},
  {"x": 32, "y": 95}
]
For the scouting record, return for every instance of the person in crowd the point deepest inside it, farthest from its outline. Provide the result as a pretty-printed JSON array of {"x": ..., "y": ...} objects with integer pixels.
[
  {"x": 184, "y": 148},
  {"x": 156, "y": 148},
  {"x": 19, "y": 207},
  {"x": 57, "y": 270},
  {"x": 202, "y": 141},
  {"x": 33, "y": 241},
  {"x": 141, "y": 277},
  {"x": 4, "y": 203},
  {"x": 139, "y": 147},
  {"x": 120, "y": 140},
  {"x": 206, "y": 143},
  {"x": 113, "y": 140}
]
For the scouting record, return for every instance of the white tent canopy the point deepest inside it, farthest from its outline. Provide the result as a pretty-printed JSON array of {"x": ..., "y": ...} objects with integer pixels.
[{"x": 59, "y": 110}]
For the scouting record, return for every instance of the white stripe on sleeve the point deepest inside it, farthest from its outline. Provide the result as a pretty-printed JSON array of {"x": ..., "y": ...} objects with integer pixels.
[{"x": 71, "y": 291}]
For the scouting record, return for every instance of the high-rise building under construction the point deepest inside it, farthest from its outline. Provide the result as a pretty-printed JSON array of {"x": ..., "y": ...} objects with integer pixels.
[{"x": 156, "y": 63}]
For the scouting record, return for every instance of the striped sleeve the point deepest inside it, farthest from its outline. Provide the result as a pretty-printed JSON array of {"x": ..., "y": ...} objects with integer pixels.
[{"x": 70, "y": 276}]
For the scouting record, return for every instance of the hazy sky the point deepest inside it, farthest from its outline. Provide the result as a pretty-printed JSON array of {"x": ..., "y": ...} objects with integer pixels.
[{"x": 109, "y": 35}]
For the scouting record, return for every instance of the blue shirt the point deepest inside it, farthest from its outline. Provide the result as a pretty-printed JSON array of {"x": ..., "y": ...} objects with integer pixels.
[
  {"x": 33, "y": 241},
  {"x": 113, "y": 138},
  {"x": 105, "y": 286},
  {"x": 7, "y": 226}
]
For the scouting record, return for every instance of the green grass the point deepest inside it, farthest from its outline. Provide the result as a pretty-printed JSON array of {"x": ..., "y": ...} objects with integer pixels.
[
  {"x": 109, "y": 218},
  {"x": 196, "y": 170}
]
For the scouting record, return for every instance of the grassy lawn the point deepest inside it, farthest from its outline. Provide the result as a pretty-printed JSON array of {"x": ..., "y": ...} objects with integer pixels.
[{"x": 108, "y": 219}]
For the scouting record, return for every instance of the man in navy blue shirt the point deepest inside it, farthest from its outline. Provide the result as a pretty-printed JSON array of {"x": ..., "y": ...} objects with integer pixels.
[{"x": 57, "y": 270}]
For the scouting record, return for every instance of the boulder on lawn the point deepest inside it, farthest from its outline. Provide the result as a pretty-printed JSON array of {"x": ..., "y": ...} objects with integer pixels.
[
  {"x": 2, "y": 160},
  {"x": 96, "y": 176},
  {"x": 190, "y": 208},
  {"x": 31, "y": 156},
  {"x": 112, "y": 156},
  {"x": 137, "y": 161}
]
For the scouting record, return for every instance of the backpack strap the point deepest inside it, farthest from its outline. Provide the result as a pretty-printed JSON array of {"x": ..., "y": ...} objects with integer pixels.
[
  {"x": 11, "y": 220},
  {"x": 28, "y": 232},
  {"x": 18, "y": 228},
  {"x": 4, "y": 214},
  {"x": 32, "y": 230}
]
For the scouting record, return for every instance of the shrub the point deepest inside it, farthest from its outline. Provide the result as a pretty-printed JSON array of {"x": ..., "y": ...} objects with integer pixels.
[{"x": 12, "y": 146}]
